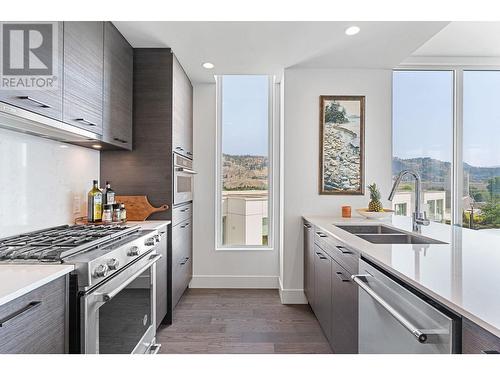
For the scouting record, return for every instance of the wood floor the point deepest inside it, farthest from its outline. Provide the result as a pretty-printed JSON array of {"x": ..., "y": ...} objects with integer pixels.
[{"x": 241, "y": 321}]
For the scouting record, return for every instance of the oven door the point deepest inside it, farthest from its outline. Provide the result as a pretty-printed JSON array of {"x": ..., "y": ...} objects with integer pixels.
[{"x": 119, "y": 316}]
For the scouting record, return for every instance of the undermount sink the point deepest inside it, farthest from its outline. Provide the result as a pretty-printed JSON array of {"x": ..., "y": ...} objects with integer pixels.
[
  {"x": 381, "y": 234},
  {"x": 368, "y": 229}
]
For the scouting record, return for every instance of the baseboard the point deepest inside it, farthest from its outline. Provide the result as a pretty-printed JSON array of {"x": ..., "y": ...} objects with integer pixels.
[
  {"x": 292, "y": 296},
  {"x": 234, "y": 282}
]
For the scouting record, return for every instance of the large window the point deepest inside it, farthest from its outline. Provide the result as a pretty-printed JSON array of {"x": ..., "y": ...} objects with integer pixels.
[
  {"x": 460, "y": 187},
  {"x": 481, "y": 153},
  {"x": 423, "y": 139},
  {"x": 244, "y": 161}
]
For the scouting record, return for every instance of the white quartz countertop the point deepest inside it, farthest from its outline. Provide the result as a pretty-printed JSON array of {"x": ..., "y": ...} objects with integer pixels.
[
  {"x": 19, "y": 279},
  {"x": 463, "y": 274},
  {"x": 150, "y": 224}
]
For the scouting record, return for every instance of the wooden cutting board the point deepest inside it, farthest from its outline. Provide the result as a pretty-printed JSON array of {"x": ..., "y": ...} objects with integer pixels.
[{"x": 138, "y": 207}]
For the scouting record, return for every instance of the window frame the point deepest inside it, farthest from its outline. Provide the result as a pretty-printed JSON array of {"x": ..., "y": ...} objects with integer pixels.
[
  {"x": 272, "y": 157},
  {"x": 457, "y": 174}
]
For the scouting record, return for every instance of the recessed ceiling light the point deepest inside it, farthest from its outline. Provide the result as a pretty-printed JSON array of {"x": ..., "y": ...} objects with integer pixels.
[
  {"x": 97, "y": 147},
  {"x": 63, "y": 146},
  {"x": 208, "y": 65},
  {"x": 352, "y": 30}
]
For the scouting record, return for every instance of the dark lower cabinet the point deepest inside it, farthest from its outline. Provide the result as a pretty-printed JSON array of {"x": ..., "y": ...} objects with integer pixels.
[
  {"x": 323, "y": 290},
  {"x": 83, "y": 75},
  {"x": 476, "y": 340},
  {"x": 344, "y": 335},
  {"x": 182, "y": 259},
  {"x": 333, "y": 296},
  {"x": 309, "y": 263},
  {"x": 35, "y": 323},
  {"x": 162, "y": 277},
  {"x": 46, "y": 102}
]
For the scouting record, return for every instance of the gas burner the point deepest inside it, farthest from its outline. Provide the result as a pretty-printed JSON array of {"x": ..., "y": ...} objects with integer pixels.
[{"x": 54, "y": 244}]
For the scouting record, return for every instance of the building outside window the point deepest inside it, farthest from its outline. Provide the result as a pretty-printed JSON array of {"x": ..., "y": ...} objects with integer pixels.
[
  {"x": 244, "y": 172},
  {"x": 401, "y": 209}
]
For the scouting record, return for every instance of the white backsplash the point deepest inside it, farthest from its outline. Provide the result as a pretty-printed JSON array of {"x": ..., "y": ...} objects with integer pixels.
[{"x": 43, "y": 183}]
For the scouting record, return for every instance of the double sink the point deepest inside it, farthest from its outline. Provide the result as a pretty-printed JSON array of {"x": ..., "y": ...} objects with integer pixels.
[{"x": 382, "y": 234}]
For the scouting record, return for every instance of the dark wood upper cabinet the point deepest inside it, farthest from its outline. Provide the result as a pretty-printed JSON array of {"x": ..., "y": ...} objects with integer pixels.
[
  {"x": 83, "y": 75},
  {"x": 47, "y": 102},
  {"x": 182, "y": 111},
  {"x": 118, "y": 88}
]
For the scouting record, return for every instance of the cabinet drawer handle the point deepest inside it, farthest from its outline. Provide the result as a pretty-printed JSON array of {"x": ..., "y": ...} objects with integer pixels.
[
  {"x": 86, "y": 122},
  {"x": 341, "y": 276},
  {"x": 189, "y": 153},
  {"x": 490, "y": 352},
  {"x": 41, "y": 104},
  {"x": 308, "y": 226},
  {"x": 20, "y": 312},
  {"x": 184, "y": 210},
  {"x": 343, "y": 250},
  {"x": 184, "y": 261},
  {"x": 321, "y": 256},
  {"x": 184, "y": 225},
  {"x": 322, "y": 235},
  {"x": 179, "y": 148},
  {"x": 120, "y": 140}
]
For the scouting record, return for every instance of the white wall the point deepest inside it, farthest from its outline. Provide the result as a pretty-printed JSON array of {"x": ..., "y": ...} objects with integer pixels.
[
  {"x": 223, "y": 268},
  {"x": 302, "y": 88},
  {"x": 39, "y": 180}
]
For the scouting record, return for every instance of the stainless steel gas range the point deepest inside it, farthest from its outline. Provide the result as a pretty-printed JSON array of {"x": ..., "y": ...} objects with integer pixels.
[{"x": 113, "y": 286}]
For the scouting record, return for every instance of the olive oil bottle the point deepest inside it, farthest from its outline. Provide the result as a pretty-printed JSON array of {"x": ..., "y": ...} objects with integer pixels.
[{"x": 95, "y": 204}]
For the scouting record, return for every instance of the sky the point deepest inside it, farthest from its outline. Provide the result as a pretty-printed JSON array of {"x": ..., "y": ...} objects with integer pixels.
[
  {"x": 245, "y": 115},
  {"x": 423, "y": 116}
]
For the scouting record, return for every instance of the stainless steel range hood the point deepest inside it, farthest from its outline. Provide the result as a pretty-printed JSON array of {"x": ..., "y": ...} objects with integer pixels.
[{"x": 20, "y": 120}]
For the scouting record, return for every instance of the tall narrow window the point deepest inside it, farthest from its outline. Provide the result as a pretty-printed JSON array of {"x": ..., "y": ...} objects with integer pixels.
[
  {"x": 481, "y": 154},
  {"x": 244, "y": 181},
  {"x": 423, "y": 139}
]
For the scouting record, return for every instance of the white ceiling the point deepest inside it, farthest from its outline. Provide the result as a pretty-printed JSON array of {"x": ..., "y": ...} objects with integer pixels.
[
  {"x": 468, "y": 39},
  {"x": 269, "y": 47}
]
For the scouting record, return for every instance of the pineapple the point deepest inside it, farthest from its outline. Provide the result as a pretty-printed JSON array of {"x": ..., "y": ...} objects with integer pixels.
[{"x": 375, "y": 205}]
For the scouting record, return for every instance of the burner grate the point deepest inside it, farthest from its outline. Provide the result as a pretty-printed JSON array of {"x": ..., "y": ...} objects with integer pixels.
[{"x": 55, "y": 243}]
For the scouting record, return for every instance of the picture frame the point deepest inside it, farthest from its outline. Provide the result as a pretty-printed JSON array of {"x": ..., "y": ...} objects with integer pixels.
[{"x": 342, "y": 143}]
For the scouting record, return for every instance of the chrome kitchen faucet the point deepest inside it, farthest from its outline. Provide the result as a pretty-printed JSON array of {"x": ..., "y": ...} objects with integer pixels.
[{"x": 419, "y": 217}]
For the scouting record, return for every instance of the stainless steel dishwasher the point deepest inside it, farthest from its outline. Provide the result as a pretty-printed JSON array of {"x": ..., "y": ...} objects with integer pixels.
[{"x": 393, "y": 320}]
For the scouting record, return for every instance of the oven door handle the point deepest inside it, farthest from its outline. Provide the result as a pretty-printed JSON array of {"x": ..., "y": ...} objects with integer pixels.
[
  {"x": 185, "y": 170},
  {"x": 105, "y": 297}
]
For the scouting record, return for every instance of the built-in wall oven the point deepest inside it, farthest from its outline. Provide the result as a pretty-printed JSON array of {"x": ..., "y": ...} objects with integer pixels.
[
  {"x": 119, "y": 315},
  {"x": 183, "y": 179}
]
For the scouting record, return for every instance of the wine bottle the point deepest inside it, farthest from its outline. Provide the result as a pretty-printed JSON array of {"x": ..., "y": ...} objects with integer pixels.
[
  {"x": 94, "y": 213},
  {"x": 109, "y": 194}
]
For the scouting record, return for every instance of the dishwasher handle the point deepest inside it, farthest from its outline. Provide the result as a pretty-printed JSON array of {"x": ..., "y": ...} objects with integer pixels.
[{"x": 417, "y": 333}]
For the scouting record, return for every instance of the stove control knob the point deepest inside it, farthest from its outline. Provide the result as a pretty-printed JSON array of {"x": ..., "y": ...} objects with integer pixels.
[
  {"x": 113, "y": 264},
  {"x": 101, "y": 270},
  {"x": 150, "y": 242},
  {"x": 134, "y": 251}
]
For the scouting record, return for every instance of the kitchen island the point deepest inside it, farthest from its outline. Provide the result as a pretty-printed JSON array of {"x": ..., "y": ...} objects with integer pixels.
[{"x": 461, "y": 273}]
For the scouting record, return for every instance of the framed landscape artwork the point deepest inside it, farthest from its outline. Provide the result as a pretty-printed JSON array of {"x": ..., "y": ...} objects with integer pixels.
[{"x": 342, "y": 131}]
